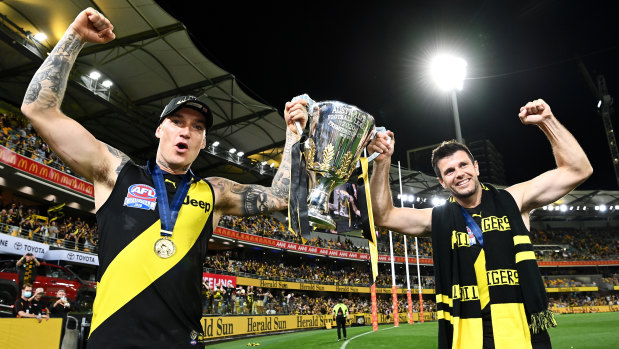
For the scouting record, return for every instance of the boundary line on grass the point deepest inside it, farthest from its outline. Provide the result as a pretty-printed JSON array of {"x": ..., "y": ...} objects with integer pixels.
[{"x": 363, "y": 334}]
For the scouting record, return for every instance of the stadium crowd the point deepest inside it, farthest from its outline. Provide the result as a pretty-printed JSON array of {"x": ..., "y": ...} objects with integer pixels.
[
  {"x": 227, "y": 300},
  {"x": 49, "y": 226},
  {"x": 18, "y": 135},
  {"x": 328, "y": 273}
]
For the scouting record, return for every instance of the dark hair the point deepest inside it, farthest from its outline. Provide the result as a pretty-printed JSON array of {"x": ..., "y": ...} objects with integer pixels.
[{"x": 445, "y": 149}]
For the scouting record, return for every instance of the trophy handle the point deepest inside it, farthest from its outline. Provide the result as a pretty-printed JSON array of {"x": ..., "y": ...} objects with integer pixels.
[{"x": 376, "y": 130}]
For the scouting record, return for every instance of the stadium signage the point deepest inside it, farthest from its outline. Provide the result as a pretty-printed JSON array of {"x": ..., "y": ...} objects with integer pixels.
[
  {"x": 312, "y": 287},
  {"x": 268, "y": 323},
  {"x": 226, "y": 326},
  {"x": 213, "y": 279},
  {"x": 273, "y": 284},
  {"x": 15, "y": 245},
  {"x": 72, "y": 256},
  {"x": 222, "y": 327},
  {"x": 313, "y": 321},
  {"x": 348, "y": 289},
  {"x": 245, "y": 281},
  {"x": 45, "y": 172}
]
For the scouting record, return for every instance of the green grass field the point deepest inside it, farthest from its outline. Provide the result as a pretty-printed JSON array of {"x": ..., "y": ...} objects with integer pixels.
[{"x": 575, "y": 331}]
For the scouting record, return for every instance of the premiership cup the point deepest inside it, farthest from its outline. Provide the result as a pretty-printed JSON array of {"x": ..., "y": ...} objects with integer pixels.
[{"x": 337, "y": 135}]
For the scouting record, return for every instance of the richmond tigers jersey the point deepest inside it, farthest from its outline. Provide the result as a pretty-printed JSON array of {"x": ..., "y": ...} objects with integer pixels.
[{"x": 143, "y": 300}]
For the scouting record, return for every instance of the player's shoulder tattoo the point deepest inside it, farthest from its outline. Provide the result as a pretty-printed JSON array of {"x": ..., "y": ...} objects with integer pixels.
[{"x": 120, "y": 155}]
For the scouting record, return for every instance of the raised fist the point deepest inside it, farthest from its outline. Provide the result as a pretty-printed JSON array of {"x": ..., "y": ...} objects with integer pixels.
[{"x": 92, "y": 26}]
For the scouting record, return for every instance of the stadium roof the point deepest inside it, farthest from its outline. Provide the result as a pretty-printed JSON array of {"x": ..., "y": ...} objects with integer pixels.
[{"x": 153, "y": 59}]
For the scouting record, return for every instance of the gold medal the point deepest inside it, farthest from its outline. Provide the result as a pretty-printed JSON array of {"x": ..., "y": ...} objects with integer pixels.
[{"x": 164, "y": 248}]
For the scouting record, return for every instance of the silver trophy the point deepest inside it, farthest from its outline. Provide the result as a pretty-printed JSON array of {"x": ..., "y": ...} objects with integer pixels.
[{"x": 338, "y": 133}]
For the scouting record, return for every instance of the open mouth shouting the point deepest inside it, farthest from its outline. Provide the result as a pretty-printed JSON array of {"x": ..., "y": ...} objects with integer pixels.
[{"x": 181, "y": 147}]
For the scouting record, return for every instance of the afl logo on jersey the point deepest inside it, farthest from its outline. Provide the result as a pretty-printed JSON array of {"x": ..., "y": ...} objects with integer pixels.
[{"x": 141, "y": 196}]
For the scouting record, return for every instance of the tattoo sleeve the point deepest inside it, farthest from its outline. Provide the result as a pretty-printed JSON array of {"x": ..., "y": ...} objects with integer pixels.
[
  {"x": 281, "y": 182},
  {"x": 119, "y": 154},
  {"x": 49, "y": 83},
  {"x": 249, "y": 200}
]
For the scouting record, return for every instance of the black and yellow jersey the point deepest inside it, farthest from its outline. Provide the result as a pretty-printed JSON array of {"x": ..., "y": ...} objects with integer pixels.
[{"x": 143, "y": 300}]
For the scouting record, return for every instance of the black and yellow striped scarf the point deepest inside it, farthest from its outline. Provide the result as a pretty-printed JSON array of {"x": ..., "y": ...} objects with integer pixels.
[{"x": 504, "y": 276}]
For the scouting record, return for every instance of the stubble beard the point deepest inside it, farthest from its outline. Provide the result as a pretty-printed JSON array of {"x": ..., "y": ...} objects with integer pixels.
[{"x": 467, "y": 194}]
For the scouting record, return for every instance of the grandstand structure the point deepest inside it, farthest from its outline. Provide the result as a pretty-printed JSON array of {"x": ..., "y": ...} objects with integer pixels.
[{"x": 154, "y": 59}]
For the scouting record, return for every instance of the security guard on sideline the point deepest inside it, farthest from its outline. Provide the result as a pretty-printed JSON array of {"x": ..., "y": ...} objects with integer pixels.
[{"x": 340, "y": 313}]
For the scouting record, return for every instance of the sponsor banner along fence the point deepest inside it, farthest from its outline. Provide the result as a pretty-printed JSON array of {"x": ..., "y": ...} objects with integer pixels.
[
  {"x": 318, "y": 287},
  {"x": 72, "y": 256},
  {"x": 573, "y": 289},
  {"x": 225, "y": 326},
  {"x": 18, "y": 246},
  {"x": 213, "y": 279},
  {"x": 45, "y": 172},
  {"x": 591, "y": 309}
]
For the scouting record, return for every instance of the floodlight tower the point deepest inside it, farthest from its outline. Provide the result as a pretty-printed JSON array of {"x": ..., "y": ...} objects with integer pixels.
[
  {"x": 605, "y": 108},
  {"x": 448, "y": 73}
]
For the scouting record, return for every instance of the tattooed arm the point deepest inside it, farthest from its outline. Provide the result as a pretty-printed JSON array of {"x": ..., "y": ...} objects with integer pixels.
[
  {"x": 247, "y": 199},
  {"x": 77, "y": 147}
]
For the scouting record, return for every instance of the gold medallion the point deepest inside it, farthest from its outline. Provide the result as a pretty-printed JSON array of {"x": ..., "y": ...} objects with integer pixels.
[{"x": 164, "y": 248}]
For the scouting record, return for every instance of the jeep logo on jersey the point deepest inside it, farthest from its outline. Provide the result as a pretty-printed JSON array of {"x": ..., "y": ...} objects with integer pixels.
[
  {"x": 141, "y": 196},
  {"x": 197, "y": 203}
]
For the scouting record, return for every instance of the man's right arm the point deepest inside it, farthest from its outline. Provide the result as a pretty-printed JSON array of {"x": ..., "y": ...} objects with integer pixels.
[
  {"x": 69, "y": 140},
  {"x": 410, "y": 221}
]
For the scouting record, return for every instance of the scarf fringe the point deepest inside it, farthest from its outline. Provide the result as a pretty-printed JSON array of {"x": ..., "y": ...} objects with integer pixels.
[{"x": 541, "y": 321}]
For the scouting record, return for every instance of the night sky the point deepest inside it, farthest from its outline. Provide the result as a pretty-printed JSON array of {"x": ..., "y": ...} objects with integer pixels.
[{"x": 375, "y": 57}]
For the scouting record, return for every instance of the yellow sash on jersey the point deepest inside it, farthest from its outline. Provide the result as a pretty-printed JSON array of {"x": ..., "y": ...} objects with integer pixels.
[{"x": 137, "y": 266}]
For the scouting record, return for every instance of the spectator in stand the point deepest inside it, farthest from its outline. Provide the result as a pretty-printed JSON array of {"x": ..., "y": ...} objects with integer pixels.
[
  {"x": 39, "y": 308},
  {"x": 250, "y": 300},
  {"x": 218, "y": 297},
  {"x": 206, "y": 298},
  {"x": 23, "y": 306},
  {"x": 27, "y": 269},
  {"x": 60, "y": 308},
  {"x": 259, "y": 306}
]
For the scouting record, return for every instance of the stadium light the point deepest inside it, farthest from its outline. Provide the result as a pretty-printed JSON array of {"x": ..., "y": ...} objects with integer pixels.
[
  {"x": 603, "y": 208},
  {"x": 448, "y": 72},
  {"x": 215, "y": 144},
  {"x": 40, "y": 37},
  {"x": 232, "y": 150},
  {"x": 239, "y": 154},
  {"x": 563, "y": 208},
  {"x": 95, "y": 75},
  {"x": 107, "y": 83}
]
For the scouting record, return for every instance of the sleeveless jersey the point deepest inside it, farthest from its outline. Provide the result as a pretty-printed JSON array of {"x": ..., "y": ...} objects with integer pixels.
[{"x": 143, "y": 300}]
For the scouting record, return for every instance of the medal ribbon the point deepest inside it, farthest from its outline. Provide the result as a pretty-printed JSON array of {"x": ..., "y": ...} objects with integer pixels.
[
  {"x": 168, "y": 212},
  {"x": 470, "y": 222}
]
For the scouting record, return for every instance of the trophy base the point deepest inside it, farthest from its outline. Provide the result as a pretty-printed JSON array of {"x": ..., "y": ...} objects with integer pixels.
[{"x": 318, "y": 220}]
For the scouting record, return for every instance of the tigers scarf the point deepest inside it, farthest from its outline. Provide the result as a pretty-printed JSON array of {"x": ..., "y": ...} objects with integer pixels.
[{"x": 504, "y": 276}]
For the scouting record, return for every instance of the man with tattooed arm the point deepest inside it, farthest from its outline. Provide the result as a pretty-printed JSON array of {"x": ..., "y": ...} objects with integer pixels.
[{"x": 155, "y": 220}]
